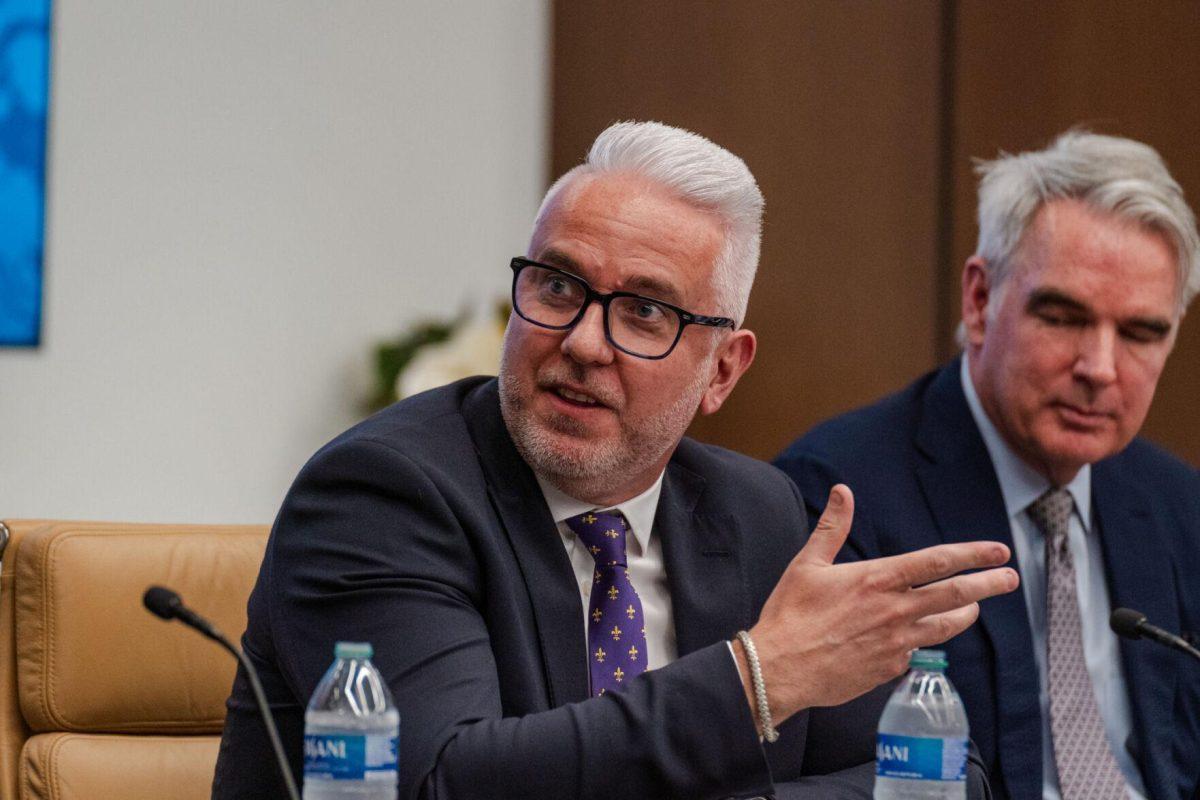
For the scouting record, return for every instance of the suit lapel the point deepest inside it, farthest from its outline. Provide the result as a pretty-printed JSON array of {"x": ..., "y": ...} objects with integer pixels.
[
  {"x": 963, "y": 494},
  {"x": 1135, "y": 561},
  {"x": 701, "y": 553},
  {"x": 541, "y": 557}
]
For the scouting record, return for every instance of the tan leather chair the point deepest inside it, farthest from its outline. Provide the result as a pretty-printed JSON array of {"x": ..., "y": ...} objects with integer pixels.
[{"x": 98, "y": 698}]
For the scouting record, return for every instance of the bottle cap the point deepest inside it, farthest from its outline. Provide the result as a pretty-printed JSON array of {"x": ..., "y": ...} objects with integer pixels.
[
  {"x": 359, "y": 650},
  {"x": 928, "y": 659}
]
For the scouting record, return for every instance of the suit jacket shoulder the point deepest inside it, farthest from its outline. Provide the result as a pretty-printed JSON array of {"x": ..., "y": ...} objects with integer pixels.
[
  {"x": 429, "y": 428},
  {"x": 875, "y": 450},
  {"x": 1173, "y": 484},
  {"x": 885, "y": 425}
]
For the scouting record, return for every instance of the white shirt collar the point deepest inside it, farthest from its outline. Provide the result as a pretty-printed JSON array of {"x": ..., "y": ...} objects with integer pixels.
[
  {"x": 639, "y": 511},
  {"x": 1020, "y": 483}
]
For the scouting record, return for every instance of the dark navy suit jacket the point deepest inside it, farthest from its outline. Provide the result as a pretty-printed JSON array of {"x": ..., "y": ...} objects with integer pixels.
[
  {"x": 423, "y": 532},
  {"x": 921, "y": 476}
]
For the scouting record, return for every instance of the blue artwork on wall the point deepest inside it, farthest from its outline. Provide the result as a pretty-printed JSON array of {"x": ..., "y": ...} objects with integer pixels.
[{"x": 24, "y": 90}]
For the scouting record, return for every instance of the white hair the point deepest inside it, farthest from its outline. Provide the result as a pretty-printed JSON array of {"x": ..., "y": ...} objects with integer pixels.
[
  {"x": 704, "y": 175},
  {"x": 1108, "y": 173}
]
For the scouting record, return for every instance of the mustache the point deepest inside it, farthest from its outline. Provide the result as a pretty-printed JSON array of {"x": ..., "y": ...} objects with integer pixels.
[{"x": 577, "y": 376}]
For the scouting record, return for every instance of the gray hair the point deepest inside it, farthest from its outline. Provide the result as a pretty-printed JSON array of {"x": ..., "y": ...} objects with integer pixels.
[
  {"x": 704, "y": 175},
  {"x": 1108, "y": 173}
]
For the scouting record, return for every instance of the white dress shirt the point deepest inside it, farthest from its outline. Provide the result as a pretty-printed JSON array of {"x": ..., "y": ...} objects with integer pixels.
[
  {"x": 644, "y": 556},
  {"x": 1021, "y": 485}
]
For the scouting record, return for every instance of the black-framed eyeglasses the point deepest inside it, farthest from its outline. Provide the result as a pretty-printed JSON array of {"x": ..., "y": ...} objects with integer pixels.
[{"x": 640, "y": 326}]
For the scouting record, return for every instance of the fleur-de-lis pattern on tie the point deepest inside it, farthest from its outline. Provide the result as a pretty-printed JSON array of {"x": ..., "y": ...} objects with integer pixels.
[
  {"x": 1087, "y": 769},
  {"x": 616, "y": 627}
]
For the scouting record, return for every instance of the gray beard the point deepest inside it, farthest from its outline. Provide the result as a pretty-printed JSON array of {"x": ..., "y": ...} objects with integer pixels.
[{"x": 605, "y": 464}]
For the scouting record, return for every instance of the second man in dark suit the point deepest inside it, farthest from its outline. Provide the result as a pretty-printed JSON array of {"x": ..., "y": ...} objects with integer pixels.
[{"x": 1087, "y": 258}]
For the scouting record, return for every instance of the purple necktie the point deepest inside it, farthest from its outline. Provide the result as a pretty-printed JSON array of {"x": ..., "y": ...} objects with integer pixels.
[{"x": 616, "y": 627}]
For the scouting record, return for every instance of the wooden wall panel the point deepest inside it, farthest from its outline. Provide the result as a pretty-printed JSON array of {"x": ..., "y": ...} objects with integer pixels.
[
  {"x": 834, "y": 106},
  {"x": 1026, "y": 70}
]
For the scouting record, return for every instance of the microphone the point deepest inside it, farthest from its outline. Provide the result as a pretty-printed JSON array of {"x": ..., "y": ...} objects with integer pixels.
[
  {"x": 164, "y": 603},
  {"x": 1133, "y": 625}
]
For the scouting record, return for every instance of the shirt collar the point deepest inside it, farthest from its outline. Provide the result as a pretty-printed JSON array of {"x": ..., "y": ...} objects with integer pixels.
[
  {"x": 1019, "y": 483},
  {"x": 638, "y": 511}
]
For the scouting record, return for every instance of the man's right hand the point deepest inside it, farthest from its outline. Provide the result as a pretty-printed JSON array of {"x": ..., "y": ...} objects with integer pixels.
[{"x": 831, "y": 632}]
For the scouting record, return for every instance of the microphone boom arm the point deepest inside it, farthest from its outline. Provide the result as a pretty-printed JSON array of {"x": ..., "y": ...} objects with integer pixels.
[
  {"x": 164, "y": 603},
  {"x": 1133, "y": 625}
]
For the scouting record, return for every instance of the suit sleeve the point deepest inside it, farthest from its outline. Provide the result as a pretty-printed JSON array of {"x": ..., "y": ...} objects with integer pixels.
[
  {"x": 368, "y": 548},
  {"x": 815, "y": 477}
]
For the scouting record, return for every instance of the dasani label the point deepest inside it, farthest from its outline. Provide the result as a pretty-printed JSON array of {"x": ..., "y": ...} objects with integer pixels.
[{"x": 920, "y": 758}]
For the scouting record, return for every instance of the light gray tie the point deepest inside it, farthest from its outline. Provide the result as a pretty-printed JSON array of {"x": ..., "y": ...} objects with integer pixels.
[{"x": 1087, "y": 769}]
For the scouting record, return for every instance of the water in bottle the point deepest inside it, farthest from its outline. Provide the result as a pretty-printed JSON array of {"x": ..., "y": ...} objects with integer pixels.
[
  {"x": 351, "y": 731},
  {"x": 921, "y": 751}
]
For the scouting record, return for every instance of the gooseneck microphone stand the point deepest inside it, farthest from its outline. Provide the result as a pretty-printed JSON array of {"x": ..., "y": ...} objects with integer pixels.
[{"x": 163, "y": 602}]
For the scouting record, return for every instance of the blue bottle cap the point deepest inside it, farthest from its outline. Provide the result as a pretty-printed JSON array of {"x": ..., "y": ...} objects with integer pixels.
[
  {"x": 358, "y": 650},
  {"x": 928, "y": 659}
]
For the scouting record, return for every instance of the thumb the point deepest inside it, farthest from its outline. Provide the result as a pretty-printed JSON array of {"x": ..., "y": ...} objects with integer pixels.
[{"x": 832, "y": 528}]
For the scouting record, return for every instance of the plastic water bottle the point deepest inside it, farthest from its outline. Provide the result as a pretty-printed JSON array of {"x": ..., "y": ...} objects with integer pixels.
[
  {"x": 351, "y": 731},
  {"x": 921, "y": 751}
]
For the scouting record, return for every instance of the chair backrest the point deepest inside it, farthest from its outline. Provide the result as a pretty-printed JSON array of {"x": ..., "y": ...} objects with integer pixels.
[{"x": 98, "y": 698}]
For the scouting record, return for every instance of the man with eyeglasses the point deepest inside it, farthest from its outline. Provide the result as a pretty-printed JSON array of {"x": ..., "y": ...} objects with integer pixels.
[{"x": 567, "y": 597}]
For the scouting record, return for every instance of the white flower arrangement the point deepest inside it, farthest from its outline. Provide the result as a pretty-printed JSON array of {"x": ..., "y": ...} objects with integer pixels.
[
  {"x": 434, "y": 353},
  {"x": 472, "y": 349}
]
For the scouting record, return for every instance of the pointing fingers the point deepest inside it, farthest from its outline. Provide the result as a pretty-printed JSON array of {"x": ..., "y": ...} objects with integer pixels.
[
  {"x": 962, "y": 591},
  {"x": 934, "y": 563}
]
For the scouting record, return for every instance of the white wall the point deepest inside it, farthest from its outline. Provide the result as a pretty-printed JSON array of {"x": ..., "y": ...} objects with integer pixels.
[{"x": 243, "y": 196}]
